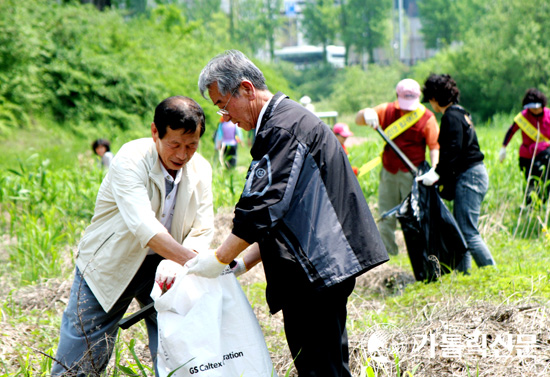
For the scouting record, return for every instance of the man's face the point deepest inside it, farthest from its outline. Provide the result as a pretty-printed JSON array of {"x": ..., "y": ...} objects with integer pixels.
[
  {"x": 176, "y": 148},
  {"x": 239, "y": 108}
]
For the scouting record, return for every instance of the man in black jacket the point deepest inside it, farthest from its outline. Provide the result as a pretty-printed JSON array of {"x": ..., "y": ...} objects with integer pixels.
[{"x": 303, "y": 211}]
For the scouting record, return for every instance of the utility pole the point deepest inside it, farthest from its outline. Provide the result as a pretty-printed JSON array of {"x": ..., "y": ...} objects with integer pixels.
[
  {"x": 231, "y": 21},
  {"x": 400, "y": 15}
]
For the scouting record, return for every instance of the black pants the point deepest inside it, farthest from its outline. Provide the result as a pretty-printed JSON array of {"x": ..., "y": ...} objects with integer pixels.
[
  {"x": 230, "y": 156},
  {"x": 315, "y": 328},
  {"x": 538, "y": 180}
]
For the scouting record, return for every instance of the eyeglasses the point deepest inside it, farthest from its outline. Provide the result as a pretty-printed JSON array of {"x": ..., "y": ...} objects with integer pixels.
[{"x": 224, "y": 112}]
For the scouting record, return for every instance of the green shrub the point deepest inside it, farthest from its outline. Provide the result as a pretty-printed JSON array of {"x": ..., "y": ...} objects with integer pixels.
[
  {"x": 80, "y": 66},
  {"x": 356, "y": 89}
]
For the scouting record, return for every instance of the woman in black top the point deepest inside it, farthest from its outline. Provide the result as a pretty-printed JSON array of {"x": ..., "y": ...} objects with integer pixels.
[{"x": 460, "y": 171}]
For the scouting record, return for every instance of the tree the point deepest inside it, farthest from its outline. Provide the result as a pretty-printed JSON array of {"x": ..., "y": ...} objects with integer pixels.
[
  {"x": 499, "y": 57},
  {"x": 133, "y": 7},
  {"x": 356, "y": 88},
  {"x": 99, "y": 4},
  {"x": 366, "y": 24},
  {"x": 255, "y": 23},
  {"x": 446, "y": 21},
  {"x": 320, "y": 22},
  {"x": 271, "y": 21},
  {"x": 344, "y": 22},
  {"x": 502, "y": 57},
  {"x": 248, "y": 28},
  {"x": 439, "y": 21},
  {"x": 201, "y": 9}
]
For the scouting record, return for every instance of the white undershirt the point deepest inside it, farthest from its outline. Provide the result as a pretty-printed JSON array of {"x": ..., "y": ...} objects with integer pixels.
[{"x": 259, "y": 122}]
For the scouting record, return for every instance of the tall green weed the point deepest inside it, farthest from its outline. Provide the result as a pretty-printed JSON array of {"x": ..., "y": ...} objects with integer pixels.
[{"x": 45, "y": 210}]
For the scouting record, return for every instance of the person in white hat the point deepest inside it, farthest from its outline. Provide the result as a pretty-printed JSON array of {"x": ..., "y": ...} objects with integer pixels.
[
  {"x": 534, "y": 122},
  {"x": 306, "y": 102},
  {"x": 423, "y": 131}
]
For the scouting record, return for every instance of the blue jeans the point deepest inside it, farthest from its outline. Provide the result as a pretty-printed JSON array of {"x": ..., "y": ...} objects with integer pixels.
[
  {"x": 471, "y": 187},
  {"x": 88, "y": 333}
]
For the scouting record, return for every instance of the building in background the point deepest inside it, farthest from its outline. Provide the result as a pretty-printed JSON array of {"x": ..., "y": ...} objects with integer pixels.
[
  {"x": 406, "y": 45},
  {"x": 305, "y": 55}
]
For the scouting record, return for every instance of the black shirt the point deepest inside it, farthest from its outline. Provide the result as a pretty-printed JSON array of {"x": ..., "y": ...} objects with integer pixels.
[{"x": 458, "y": 142}]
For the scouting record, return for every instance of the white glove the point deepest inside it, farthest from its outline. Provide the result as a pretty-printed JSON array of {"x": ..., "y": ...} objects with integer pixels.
[
  {"x": 502, "y": 154},
  {"x": 206, "y": 264},
  {"x": 371, "y": 118},
  {"x": 240, "y": 267},
  {"x": 429, "y": 178},
  {"x": 166, "y": 273}
]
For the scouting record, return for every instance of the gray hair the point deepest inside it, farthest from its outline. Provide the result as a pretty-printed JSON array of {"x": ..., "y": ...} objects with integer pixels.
[{"x": 228, "y": 70}]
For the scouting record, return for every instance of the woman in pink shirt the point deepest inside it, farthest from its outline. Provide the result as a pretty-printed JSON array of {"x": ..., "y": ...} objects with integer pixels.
[{"x": 534, "y": 152}]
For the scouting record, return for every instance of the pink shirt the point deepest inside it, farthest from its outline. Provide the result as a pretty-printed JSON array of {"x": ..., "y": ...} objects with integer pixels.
[{"x": 527, "y": 148}]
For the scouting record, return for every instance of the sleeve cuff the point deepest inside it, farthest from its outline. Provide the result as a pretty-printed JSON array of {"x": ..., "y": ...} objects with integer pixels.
[
  {"x": 247, "y": 236},
  {"x": 148, "y": 230}
]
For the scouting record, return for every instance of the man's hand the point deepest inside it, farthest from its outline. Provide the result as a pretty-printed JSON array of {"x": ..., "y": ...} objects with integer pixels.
[
  {"x": 429, "y": 178},
  {"x": 239, "y": 268},
  {"x": 166, "y": 273},
  {"x": 502, "y": 154},
  {"x": 206, "y": 264},
  {"x": 371, "y": 118}
]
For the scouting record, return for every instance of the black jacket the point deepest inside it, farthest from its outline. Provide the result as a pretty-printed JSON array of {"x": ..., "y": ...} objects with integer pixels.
[
  {"x": 458, "y": 142},
  {"x": 303, "y": 204}
]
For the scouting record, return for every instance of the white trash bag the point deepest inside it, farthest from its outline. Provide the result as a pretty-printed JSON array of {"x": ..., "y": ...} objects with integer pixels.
[{"x": 207, "y": 328}]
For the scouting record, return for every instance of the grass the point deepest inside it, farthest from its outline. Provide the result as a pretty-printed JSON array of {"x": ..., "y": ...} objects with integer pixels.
[{"x": 47, "y": 199}]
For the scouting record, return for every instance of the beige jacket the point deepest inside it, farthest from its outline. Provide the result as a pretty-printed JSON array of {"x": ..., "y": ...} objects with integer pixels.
[{"x": 128, "y": 205}]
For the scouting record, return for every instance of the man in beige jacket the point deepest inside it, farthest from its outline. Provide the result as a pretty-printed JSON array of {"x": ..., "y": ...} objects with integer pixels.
[{"x": 154, "y": 203}]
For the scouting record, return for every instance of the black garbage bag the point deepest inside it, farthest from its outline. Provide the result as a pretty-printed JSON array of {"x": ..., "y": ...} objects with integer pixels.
[{"x": 434, "y": 241}]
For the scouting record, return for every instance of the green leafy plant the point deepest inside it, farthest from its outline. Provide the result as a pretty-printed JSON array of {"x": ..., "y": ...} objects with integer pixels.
[{"x": 136, "y": 368}]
